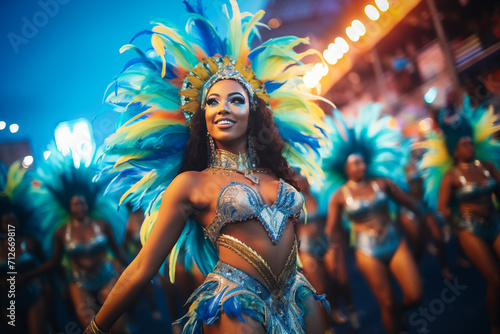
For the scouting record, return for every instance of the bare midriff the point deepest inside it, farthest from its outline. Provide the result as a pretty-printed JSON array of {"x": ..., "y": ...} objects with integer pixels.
[
  {"x": 90, "y": 263},
  {"x": 252, "y": 233},
  {"x": 480, "y": 209},
  {"x": 374, "y": 223}
]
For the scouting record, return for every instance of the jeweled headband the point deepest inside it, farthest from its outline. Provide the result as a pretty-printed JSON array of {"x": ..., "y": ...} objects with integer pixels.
[
  {"x": 214, "y": 69},
  {"x": 226, "y": 72}
]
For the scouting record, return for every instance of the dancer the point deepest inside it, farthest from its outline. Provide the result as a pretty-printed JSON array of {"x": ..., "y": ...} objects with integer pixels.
[
  {"x": 73, "y": 222},
  {"x": 17, "y": 214},
  {"x": 461, "y": 171},
  {"x": 215, "y": 159},
  {"x": 366, "y": 155}
]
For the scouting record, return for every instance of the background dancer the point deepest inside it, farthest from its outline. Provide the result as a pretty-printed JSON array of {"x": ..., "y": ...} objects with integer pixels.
[{"x": 365, "y": 155}]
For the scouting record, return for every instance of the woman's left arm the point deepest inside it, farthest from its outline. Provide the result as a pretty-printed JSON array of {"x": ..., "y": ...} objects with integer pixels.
[
  {"x": 399, "y": 196},
  {"x": 119, "y": 251}
]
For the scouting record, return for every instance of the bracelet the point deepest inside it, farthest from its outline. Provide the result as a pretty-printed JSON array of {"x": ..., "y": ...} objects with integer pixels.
[{"x": 93, "y": 329}]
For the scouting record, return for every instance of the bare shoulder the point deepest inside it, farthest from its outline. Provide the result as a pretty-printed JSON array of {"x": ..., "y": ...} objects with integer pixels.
[
  {"x": 450, "y": 176},
  {"x": 188, "y": 184},
  {"x": 102, "y": 223},
  {"x": 490, "y": 166},
  {"x": 338, "y": 197},
  {"x": 382, "y": 182},
  {"x": 59, "y": 233},
  {"x": 188, "y": 179}
]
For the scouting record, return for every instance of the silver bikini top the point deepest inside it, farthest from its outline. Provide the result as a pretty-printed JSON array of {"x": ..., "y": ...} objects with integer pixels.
[{"x": 239, "y": 202}]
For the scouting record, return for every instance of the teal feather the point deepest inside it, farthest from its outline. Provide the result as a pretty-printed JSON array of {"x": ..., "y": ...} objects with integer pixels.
[{"x": 372, "y": 135}]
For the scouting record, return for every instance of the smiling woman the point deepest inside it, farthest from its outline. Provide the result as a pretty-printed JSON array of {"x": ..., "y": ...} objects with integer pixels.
[{"x": 233, "y": 199}]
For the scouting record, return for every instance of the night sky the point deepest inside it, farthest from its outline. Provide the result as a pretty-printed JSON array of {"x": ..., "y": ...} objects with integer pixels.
[{"x": 58, "y": 57}]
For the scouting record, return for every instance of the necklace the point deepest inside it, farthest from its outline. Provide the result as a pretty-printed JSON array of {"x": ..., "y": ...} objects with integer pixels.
[
  {"x": 354, "y": 184},
  {"x": 228, "y": 163},
  {"x": 468, "y": 165}
]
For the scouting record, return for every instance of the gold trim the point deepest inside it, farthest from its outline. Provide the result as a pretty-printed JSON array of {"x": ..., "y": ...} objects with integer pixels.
[
  {"x": 92, "y": 328},
  {"x": 275, "y": 283}
]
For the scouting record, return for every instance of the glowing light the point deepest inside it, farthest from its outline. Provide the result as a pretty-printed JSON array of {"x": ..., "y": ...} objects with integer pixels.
[
  {"x": 14, "y": 128},
  {"x": 27, "y": 161},
  {"x": 336, "y": 50},
  {"x": 75, "y": 137},
  {"x": 344, "y": 47},
  {"x": 383, "y": 5},
  {"x": 63, "y": 138},
  {"x": 311, "y": 80},
  {"x": 274, "y": 23},
  {"x": 430, "y": 95},
  {"x": 425, "y": 124},
  {"x": 333, "y": 53},
  {"x": 320, "y": 69},
  {"x": 352, "y": 34},
  {"x": 372, "y": 12},
  {"x": 2, "y": 125},
  {"x": 47, "y": 154},
  {"x": 330, "y": 57},
  {"x": 359, "y": 27}
]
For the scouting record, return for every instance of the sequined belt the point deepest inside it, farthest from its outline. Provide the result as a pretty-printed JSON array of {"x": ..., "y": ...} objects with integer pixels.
[{"x": 275, "y": 283}]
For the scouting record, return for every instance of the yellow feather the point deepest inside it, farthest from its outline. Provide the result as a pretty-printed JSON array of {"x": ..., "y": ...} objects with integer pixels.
[{"x": 159, "y": 47}]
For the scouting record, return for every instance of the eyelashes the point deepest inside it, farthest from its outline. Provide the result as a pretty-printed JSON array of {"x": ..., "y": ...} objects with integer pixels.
[
  {"x": 212, "y": 102},
  {"x": 239, "y": 100}
]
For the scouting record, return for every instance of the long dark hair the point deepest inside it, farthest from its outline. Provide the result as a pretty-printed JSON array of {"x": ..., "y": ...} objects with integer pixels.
[{"x": 261, "y": 130}]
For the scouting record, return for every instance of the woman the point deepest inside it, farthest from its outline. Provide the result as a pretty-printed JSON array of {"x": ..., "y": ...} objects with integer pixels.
[
  {"x": 68, "y": 200},
  {"x": 232, "y": 198},
  {"x": 370, "y": 153},
  {"x": 456, "y": 164},
  {"x": 29, "y": 297}
]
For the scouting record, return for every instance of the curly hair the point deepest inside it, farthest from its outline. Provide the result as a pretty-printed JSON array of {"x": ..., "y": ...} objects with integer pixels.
[{"x": 261, "y": 129}]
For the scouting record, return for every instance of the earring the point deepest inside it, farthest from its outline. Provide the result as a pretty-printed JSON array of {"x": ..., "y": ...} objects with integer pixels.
[
  {"x": 211, "y": 150},
  {"x": 252, "y": 152}
]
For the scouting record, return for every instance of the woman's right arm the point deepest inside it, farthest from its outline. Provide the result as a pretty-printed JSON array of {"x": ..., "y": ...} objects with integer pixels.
[{"x": 176, "y": 206}]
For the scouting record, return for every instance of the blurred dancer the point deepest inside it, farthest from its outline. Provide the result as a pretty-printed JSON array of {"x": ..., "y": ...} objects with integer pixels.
[
  {"x": 460, "y": 175},
  {"x": 364, "y": 157},
  {"x": 81, "y": 241},
  {"x": 30, "y": 308}
]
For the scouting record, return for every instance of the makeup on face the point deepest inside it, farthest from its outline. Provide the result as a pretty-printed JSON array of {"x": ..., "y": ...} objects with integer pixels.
[{"x": 226, "y": 112}]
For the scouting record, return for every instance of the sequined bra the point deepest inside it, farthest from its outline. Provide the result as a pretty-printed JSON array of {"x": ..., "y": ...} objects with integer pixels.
[
  {"x": 94, "y": 245},
  {"x": 239, "y": 202},
  {"x": 470, "y": 191},
  {"x": 360, "y": 209}
]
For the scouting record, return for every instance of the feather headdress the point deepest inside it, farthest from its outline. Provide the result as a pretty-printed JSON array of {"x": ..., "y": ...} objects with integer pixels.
[
  {"x": 159, "y": 90},
  {"x": 15, "y": 196},
  {"x": 483, "y": 123},
  {"x": 376, "y": 138},
  {"x": 57, "y": 180}
]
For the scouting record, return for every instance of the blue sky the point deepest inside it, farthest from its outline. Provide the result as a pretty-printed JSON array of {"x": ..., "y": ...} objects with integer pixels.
[{"x": 58, "y": 56}]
